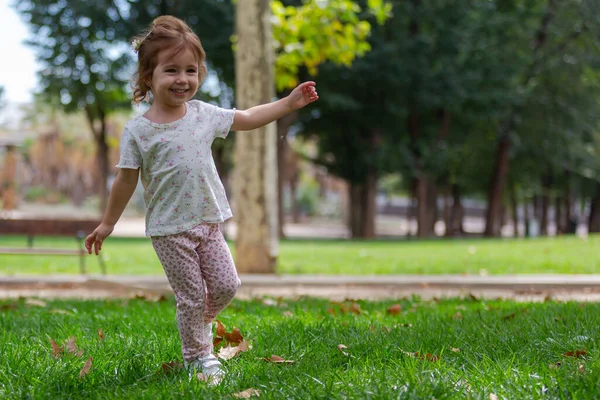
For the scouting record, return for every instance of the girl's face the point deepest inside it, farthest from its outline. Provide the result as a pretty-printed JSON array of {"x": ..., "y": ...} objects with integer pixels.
[{"x": 175, "y": 78}]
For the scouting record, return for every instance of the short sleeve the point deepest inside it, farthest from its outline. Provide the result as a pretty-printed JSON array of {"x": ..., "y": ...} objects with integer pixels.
[
  {"x": 221, "y": 121},
  {"x": 130, "y": 156}
]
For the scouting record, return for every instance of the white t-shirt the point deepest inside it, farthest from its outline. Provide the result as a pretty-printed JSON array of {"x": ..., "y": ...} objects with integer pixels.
[{"x": 182, "y": 188}]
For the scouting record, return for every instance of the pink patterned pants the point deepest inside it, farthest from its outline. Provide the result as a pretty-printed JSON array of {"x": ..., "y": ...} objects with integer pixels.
[{"x": 201, "y": 272}]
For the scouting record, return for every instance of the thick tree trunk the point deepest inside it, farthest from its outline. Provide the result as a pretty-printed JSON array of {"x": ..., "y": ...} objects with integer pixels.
[
  {"x": 457, "y": 213},
  {"x": 362, "y": 207},
  {"x": 594, "y": 216},
  {"x": 255, "y": 187},
  {"x": 496, "y": 188}
]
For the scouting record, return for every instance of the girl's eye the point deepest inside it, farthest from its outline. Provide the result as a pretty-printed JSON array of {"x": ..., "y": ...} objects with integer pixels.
[
  {"x": 191, "y": 71},
  {"x": 170, "y": 70}
]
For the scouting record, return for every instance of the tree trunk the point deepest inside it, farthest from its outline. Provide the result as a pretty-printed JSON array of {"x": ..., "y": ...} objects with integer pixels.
[
  {"x": 362, "y": 207},
  {"x": 283, "y": 125},
  {"x": 255, "y": 151},
  {"x": 546, "y": 187},
  {"x": 514, "y": 208},
  {"x": 492, "y": 223},
  {"x": 457, "y": 213},
  {"x": 594, "y": 216}
]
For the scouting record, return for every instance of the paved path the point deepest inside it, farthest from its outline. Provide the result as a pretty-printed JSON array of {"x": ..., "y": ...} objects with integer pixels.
[{"x": 521, "y": 287}]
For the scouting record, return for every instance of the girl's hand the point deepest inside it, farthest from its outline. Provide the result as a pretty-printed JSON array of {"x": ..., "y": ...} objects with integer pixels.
[
  {"x": 97, "y": 237},
  {"x": 303, "y": 94}
]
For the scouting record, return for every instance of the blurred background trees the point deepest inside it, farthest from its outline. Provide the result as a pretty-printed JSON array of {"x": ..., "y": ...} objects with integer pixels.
[{"x": 426, "y": 108}]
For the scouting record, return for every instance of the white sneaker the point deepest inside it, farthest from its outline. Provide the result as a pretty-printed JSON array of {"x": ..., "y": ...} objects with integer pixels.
[{"x": 211, "y": 368}]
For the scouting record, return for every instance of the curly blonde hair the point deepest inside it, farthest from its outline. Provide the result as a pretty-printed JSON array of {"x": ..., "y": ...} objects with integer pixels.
[{"x": 165, "y": 33}]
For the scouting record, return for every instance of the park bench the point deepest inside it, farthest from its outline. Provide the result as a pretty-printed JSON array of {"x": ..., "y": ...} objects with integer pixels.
[{"x": 78, "y": 229}]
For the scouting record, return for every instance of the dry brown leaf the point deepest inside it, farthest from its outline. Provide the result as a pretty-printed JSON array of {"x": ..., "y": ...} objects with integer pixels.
[
  {"x": 555, "y": 366},
  {"x": 71, "y": 347},
  {"x": 9, "y": 306},
  {"x": 86, "y": 368},
  {"x": 101, "y": 334},
  {"x": 331, "y": 311},
  {"x": 509, "y": 316},
  {"x": 576, "y": 354},
  {"x": 428, "y": 356},
  {"x": 396, "y": 309},
  {"x": 455, "y": 349},
  {"x": 227, "y": 353},
  {"x": 220, "y": 329},
  {"x": 235, "y": 337},
  {"x": 493, "y": 396},
  {"x": 355, "y": 308},
  {"x": 57, "y": 350},
  {"x": 169, "y": 367},
  {"x": 278, "y": 360},
  {"x": 341, "y": 348},
  {"x": 36, "y": 303},
  {"x": 246, "y": 394},
  {"x": 288, "y": 314},
  {"x": 457, "y": 316}
]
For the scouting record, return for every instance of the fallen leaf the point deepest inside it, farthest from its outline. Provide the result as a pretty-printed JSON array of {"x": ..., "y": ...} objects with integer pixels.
[
  {"x": 455, "y": 349},
  {"x": 9, "y": 306},
  {"x": 341, "y": 348},
  {"x": 227, "y": 353},
  {"x": 428, "y": 356},
  {"x": 577, "y": 353},
  {"x": 555, "y": 366},
  {"x": 457, "y": 316},
  {"x": 235, "y": 337},
  {"x": 71, "y": 347},
  {"x": 100, "y": 334},
  {"x": 331, "y": 311},
  {"x": 169, "y": 367},
  {"x": 355, "y": 308},
  {"x": 472, "y": 297},
  {"x": 581, "y": 368},
  {"x": 217, "y": 341},
  {"x": 509, "y": 316},
  {"x": 57, "y": 350},
  {"x": 493, "y": 396},
  {"x": 246, "y": 394},
  {"x": 36, "y": 303},
  {"x": 201, "y": 377},
  {"x": 288, "y": 314},
  {"x": 396, "y": 309},
  {"x": 278, "y": 360},
  {"x": 220, "y": 331},
  {"x": 269, "y": 302},
  {"x": 86, "y": 368}
]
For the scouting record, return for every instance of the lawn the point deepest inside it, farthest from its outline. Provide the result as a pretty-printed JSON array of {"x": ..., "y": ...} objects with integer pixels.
[
  {"x": 560, "y": 255},
  {"x": 409, "y": 348}
]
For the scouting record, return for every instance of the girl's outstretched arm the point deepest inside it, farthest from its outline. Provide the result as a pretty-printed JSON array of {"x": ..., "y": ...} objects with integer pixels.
[
  {"x": 120, "y": 194},
  {"x": 255, "y": 117}
]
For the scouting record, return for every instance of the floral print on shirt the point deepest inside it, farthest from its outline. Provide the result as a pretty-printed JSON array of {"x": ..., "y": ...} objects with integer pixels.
[{"x": 181, "y": 185}]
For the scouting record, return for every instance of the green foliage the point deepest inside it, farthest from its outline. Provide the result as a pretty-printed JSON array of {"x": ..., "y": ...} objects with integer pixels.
[{"x": 316, "y": 32}]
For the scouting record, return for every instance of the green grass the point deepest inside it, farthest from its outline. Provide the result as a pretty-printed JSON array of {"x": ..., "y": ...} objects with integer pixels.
[
  {"x": 478, "y": 348},
  {"x": 562, "y": 255}
]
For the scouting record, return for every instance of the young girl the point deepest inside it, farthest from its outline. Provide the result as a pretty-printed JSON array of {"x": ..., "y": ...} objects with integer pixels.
[{"x": 169, "y": 147}]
